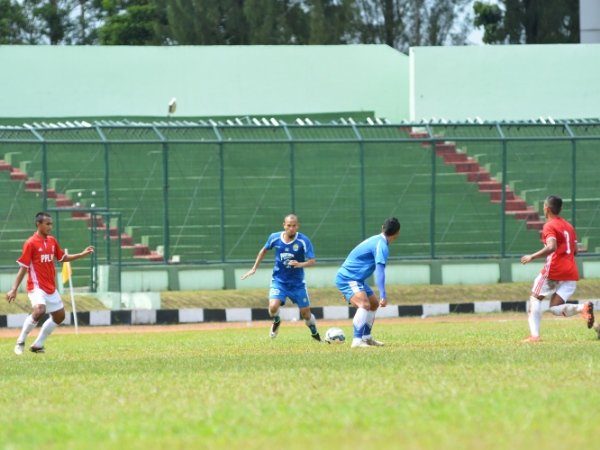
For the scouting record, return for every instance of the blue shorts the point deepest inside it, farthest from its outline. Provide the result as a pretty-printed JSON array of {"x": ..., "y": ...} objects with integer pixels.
[
  {"x": 350, "y": 287},
  {"x": 296, "y": 293}
]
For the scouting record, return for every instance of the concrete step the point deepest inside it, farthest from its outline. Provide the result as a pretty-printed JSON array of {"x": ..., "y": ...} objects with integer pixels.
[
  {"x": 16, "y": 174},
  {"x": 467, "y": 167},
  {"x": 535, "y": 224},
  {"x": 496, "y": 196},
  {"x": 487, "y": 186},
  {"x": 526, "y": 214},
  {"x": 516, "y": 205},
  {"x": 444, "y": 148},
  {"x": 481, "y": 175},
  {"x": 451, "y": 158}
]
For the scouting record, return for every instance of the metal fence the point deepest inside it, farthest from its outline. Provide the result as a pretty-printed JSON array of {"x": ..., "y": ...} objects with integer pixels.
[{"x": 203, "y": 192}]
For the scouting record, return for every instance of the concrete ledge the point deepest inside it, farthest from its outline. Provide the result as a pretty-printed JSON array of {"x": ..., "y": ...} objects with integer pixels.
[{"x": 199, "y": 315}]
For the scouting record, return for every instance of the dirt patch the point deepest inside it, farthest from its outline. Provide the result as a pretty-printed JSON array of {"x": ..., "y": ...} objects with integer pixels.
[{"x": 122, "y": 329}]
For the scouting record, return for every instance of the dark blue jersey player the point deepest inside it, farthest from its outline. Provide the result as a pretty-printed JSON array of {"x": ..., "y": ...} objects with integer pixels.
[{"x": 293, "y": 252}]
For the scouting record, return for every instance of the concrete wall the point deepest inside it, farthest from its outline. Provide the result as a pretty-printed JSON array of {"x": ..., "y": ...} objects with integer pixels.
[
  {"x": 72, "y": 81},
  {"x": 505, "y": 82},
  {"x": 173, "y": 277}
]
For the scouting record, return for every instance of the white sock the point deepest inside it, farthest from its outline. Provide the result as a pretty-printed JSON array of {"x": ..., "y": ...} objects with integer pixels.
[
  {"x": 369, "y": 327},
  {"x": 359, "y": 322},
  {"x": 28, "y": 325},
  {"x": 47, "y": 329},
  {"x": 311, "y": 324},
  {"x": 535, "y": 316},
  {"x": 566, "y": 309}
]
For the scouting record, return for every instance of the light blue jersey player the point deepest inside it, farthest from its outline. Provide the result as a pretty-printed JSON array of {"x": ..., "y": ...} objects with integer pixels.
[
  {"x": 293, "y": 252},
  {"x": 367, "y": 257}
]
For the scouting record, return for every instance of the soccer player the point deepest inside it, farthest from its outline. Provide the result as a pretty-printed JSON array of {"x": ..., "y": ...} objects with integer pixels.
[
  {"x": 293, "y": 252},
  {"x": 40, "y": 252},
  {"x": 367, "y": 257},
  {"x": 558, "y": 277}
]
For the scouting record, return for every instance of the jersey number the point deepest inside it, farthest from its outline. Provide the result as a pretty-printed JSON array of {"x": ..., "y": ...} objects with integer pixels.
[{"x": 566, "y": 233}]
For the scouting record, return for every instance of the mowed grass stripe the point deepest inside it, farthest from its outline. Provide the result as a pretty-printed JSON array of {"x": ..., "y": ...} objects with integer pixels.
[{"x": 457, "y": 384}]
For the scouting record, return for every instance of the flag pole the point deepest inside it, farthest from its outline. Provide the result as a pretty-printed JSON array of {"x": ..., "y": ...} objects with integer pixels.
[
  {"x": 73, "y": 305},
  {"x": 66, "y": 275}
]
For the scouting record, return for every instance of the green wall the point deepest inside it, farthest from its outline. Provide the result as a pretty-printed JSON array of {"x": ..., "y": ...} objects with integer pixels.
[
  {"x": 73, "y": 81},
  {"x": 506, "y": 82}
]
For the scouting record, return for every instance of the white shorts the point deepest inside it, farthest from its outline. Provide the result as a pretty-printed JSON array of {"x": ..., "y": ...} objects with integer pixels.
[
  {"x": 53, "y": 302},
  {"x": 545, "y": 287}
]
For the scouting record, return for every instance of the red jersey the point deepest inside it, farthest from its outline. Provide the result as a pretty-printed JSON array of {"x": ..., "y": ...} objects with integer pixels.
[
  {"x": 560, "y": 264},
  {"x": 38, "y": 257}
]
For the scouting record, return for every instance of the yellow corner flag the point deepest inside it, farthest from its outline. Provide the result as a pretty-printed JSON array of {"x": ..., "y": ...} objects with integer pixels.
[{"x": 66, "y": 272}]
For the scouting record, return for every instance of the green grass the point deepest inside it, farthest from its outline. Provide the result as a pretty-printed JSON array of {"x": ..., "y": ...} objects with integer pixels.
[
  {"x": 438, "y": 384},
  {"x": 257, "y": 298}
]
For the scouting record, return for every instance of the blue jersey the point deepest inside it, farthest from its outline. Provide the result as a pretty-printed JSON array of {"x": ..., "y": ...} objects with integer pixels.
[
  {"x": 360, "y": 263},
  {"x": 300, "y": 249}
]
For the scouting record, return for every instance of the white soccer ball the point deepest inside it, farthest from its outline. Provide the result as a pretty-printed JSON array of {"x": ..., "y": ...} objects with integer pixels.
[{"x": 335, "y": 336}]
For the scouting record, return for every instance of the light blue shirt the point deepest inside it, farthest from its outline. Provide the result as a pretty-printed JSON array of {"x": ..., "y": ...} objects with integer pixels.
[{"x": 362, "y": 260}]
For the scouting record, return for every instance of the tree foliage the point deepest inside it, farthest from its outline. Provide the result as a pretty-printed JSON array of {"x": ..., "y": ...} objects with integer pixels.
[
  {"x": 528, "y": 21},
  {"x": 398, "y": 23}
]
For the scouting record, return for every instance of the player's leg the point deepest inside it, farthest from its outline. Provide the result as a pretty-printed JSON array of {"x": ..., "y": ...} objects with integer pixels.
[
  {"x": 311, "y": 322},
  {"x": 299, "y": 296},
  {"x": 542, "y": 287},
  {"x": 274, "y": 305},
  {"x": 560, "y": 307},
  {"x": 56, "y": 310},
  {"x": 31, "y": 321},
  {"x": 354, "y": 293},
  {"x": 373, "y": 305},
  {"x": 38, "y": 309},
  {"x": 277, "y": 296}
]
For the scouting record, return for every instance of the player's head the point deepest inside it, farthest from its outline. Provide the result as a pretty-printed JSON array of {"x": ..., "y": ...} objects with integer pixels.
[
  {"x": 42, "y": 217},
  {"x": 290, "y": 225},
  {"x": 391, "y": 227},
  {"x": 553, "y": 204},
  {"x": 43, "y": 222}
]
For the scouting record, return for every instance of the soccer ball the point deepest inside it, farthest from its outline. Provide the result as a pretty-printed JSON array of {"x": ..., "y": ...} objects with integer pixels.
[{"x": 335, "y": 336}]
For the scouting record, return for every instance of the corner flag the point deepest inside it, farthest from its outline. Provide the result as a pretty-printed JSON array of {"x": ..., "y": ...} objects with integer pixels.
[
  {"x": 66, "y": 272},
  {"x": 66, "y": 277}
]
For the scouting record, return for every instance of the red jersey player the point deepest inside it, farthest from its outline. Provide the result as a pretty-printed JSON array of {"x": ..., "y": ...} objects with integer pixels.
[
  {"x": 40, "y": 252},
  {"x": 558, "y": 277}
]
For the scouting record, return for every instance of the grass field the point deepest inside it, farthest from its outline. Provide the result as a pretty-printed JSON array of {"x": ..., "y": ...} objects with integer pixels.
[
  {"x": 442, "y": 383},
  {"x": 397, "y": 294}
]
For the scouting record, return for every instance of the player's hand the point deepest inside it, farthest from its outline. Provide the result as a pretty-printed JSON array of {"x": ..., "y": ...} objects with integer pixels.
[
  {"x": 525, "y": 259},
  {"x": 293, "y": 263},
  {"x": 11, "y": 295},
  {"x": 248, "y": 274},
  {"x": 89, "y": 249},
  {"x": 383, "y": 302}
]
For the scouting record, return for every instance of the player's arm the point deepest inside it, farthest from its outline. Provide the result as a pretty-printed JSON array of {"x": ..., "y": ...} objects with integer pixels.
[
  {"x": 259, "y": 258},
  {"x": 549, "y": 248},
  {"x": 380, "y": 282},
  {"x": 302, "y": 265},
  {"x": 12, "y": 293},
  {"x": 85, "y": 252}
]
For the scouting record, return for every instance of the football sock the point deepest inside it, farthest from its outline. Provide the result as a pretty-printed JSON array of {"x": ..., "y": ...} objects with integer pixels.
[
  {"x": 535, "y": 315},
  {"x": 369, "y": 324},
  {"x": 275, "y": 315},
  {"x": 28, "y": 325},
  {"x": 359, "y": 322},
  {"x": 47, "y": 329},
  {"x": 311, "y": 324},
  {"x": 566, "y": 309}
]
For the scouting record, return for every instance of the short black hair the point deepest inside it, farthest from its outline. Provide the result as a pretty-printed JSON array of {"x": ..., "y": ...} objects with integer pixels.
[
  {"x": 391, "y": 226},
  {"x": 41, "y": 216},
  {"x": 554, "y": 203}
]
